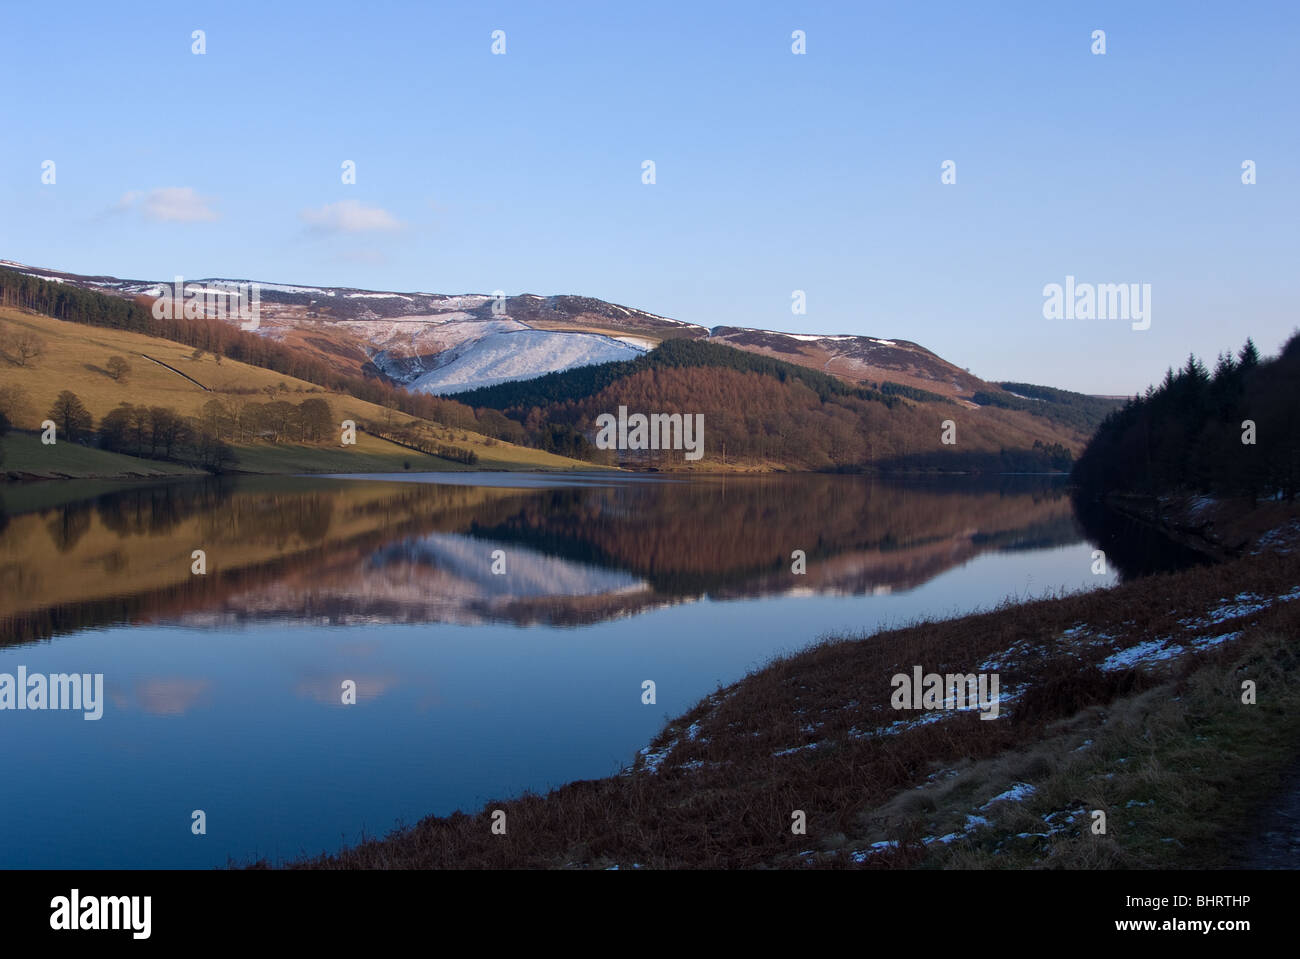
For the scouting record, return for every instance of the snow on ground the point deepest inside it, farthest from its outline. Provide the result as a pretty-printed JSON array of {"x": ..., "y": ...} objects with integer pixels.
[
  {"x": 524, "y": 354},
  {"x": 1205, "y": 642},
  {"x": 795, "y": 749},
  {"x": 636, "y": 342},
  {"x": 285, "y": 288},
  {"x": 1017, "y": 793},
  {"x": 1282, "y": 539},
  {"x": 1152, "y": 651},
  {"x": 653, "y": 760},
  {"x": 1243, "y": 604}
]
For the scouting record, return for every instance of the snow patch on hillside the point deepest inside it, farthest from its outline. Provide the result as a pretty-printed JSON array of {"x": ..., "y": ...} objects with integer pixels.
[{"x": 520, "y": 355}]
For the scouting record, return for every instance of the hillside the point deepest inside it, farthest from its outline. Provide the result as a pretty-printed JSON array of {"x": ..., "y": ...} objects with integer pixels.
[
  {"x": 764, "y": 413},
  {"x": 170, "y": 375},
  {"x": 536, "y": 372},
  {"x": 439, "y": 342}
]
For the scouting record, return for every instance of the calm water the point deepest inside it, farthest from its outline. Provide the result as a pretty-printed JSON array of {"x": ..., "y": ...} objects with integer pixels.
[{"x": 223, "y": 691}]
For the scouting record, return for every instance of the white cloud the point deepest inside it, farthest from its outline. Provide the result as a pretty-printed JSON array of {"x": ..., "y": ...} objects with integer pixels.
[
  {"x": 349, "y": 216},
  {"x": 167, "y": 204}
]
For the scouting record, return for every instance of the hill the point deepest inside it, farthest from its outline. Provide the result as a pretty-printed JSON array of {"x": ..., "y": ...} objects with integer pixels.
[
  {"x": 773, "y": 400},
  {"x": 176, "y": 377},
  {"x": 438, "y": 342},
  {"x": 763, "y": 413}
]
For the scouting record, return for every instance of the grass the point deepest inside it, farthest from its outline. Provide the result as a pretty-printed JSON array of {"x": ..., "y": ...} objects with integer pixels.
[
  {"x": 27, "y": 457},
  {"x": 1165, "y": 749},
  {"x": 76, "y": 356},
  {"x": 370, "y": 455}
]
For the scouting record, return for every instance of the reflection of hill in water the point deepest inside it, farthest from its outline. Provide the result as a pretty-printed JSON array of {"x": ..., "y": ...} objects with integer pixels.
[{"x": 347, "y": 551}]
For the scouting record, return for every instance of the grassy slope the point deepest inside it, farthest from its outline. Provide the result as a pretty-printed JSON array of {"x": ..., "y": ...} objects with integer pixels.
[
  {"x": 26, "y": 456},
  {"x": 1168, "y": 752},
  {"x": 76, "y": 354}
]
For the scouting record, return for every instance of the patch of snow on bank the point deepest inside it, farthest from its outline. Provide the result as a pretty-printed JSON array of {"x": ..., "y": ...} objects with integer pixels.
[
  {"x": 1152, "y": 651},
  {"x": 795, "y": 749},
  {"x": 1017, "y": 793},
  {"x": 1243, "y": 604},
  {"x": 1206, "y": 642}
]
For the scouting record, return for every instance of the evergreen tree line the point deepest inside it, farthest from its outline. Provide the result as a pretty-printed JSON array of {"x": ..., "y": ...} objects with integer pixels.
[
  {"x": 1233, "y": 431},
  {"x": 889, "y": 388},
  {"x": 585, "y": 381},
  {"x": 1077, "y": 410}
]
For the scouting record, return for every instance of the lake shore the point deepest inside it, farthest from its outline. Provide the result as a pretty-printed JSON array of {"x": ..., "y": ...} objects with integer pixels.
[{"x": 1126, "y": 702}]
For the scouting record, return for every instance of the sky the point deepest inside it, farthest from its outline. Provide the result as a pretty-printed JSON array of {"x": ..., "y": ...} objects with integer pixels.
[{"x": 774, "y": 172}]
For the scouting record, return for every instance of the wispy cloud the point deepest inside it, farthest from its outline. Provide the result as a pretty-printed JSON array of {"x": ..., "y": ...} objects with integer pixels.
[
  {"x": 170, "y": 697},
  {"x": 167, "y": 204},
  {"x": 350, "y": 216}
]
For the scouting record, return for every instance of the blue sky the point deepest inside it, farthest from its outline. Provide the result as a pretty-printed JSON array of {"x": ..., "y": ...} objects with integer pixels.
[{"x": 774, "y": 172}]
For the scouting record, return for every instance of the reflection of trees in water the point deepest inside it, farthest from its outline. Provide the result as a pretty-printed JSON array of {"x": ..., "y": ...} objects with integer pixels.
[
  {"x": 272, "y": 520},
  {"x": 69, "y": 524},
  {"x": 1132, "y": 548},
  {"x": 285, "y": 515},
  {"x": 709, "y": 534},
  {"x": 154, "y": 510},
  {"x": 227, "y": 513},
  {"x": 685, "y": 537}
]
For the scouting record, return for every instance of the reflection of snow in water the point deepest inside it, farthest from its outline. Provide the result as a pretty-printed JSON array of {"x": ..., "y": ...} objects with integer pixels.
[{"x": 529, "y": 573}]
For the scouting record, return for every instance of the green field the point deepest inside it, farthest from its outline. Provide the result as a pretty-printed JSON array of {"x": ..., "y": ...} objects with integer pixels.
[{"x": 26, "y": 457}]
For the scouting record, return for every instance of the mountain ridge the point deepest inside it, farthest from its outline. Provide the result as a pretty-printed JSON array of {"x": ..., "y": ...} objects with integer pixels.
[{"x": 405, "y": 337}]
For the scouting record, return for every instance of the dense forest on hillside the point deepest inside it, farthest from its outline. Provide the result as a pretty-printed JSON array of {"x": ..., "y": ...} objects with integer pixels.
[
  {"x": 1076, "y": 410},
  {"x": 1231, "y": 431},
  {"x": 758, "y": 409},
  {"x": 585, "y": 381},
  {"x": 754, "y": 418}
]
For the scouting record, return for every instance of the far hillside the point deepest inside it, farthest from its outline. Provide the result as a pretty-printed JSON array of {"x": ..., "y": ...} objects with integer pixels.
[{"x": 764, "y": 413}]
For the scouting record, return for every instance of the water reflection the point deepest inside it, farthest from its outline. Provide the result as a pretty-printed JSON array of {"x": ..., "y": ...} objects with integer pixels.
[{"x": 348, "y": 551}]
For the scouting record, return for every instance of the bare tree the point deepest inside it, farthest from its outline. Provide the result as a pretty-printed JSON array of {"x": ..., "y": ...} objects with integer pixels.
[
  {"x": 118, "y": 368},
  {"x": 25, "y": 348},
  {"x": 16, "y": 405}
]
